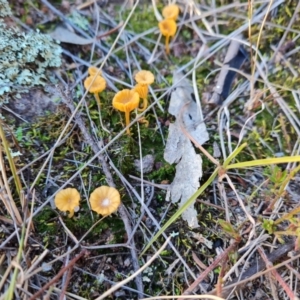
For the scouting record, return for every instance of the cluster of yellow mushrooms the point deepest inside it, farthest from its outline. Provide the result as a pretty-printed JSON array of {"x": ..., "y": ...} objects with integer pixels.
[
  {"x": 105, "y": 200},
  {"x": 125, "y": 100},
  {"x": 168, "y": 26}
]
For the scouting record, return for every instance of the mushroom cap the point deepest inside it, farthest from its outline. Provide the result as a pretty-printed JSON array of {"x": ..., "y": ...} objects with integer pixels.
[
  {"x": 95, "y": 84},
  {"x": 144, "y": 77},
  {"x": 105, "y": 200},
  {"x": 94, "y": 71},
  {"x": 67, "y": 200},
  {"x": 142, "y": 90},
  {"x": 126, "y": 100},
  {"x": 167, "y": 27},
  {"x": 171, "y": 12}
]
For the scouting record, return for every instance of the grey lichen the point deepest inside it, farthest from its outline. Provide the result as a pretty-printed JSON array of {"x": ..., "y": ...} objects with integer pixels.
[
  {"x": 4, "y": 9},
  {"x": 24, "y": 57}
]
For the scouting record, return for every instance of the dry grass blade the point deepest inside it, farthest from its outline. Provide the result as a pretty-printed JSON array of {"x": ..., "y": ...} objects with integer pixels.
[{"x": 6, "y": 194}]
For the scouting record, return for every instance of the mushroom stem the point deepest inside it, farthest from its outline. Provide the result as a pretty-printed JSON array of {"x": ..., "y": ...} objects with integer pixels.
[
  {"x": 97, "y": 99},
  {"x": 145, "y": 104},
  {"x": 99, "y": 107},
  {"x": 127, "y": 120},
  {"x": 167, "y": 44}
]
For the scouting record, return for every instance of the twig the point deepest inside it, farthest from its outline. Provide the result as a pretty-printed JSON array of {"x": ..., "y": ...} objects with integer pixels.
[
  {"x": 64, "y": 288},
  {"x": 220, "y": 278},
  {"x": 160, "y": 186},
  {"x": 276, "y": 274},
  {"x": 287, "y": 30},
  {"x": 255, "y": 269},
  {"x": 100, "y": 36},
  {"x": 60, "y": 273},
  {"x": 135, "y": 275},
  {"x": 210, "y": 268}
]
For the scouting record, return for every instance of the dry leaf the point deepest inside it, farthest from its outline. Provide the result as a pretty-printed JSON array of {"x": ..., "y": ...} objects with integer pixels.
[
  {"x": 183, "y": 104},
  {"x": 62, "y": 34},
  {"x": 179, "y": 149},
  {"x": 201, "y": 239}
]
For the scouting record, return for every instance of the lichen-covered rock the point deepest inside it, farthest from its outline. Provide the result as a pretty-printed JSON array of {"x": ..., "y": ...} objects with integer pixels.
[
  {"x": 24, "y": 57},
  {"x": 4, "y": 9},
  {"x": 35, "y": 103}
]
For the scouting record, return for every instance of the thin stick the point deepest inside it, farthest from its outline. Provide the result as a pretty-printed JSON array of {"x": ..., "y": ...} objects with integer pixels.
[
  {"x": 60, "y": 273},
  {"x": 276, "y": 274},
  {"x": 210, "y": 268},
  {"x": 64, "y": 288},
  {"x": 123, "y": 282},
  {"x": 255, "y": 271}
]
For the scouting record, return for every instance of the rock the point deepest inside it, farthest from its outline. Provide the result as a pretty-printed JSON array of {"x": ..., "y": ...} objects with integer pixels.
[{"x": 148, "y": 163}]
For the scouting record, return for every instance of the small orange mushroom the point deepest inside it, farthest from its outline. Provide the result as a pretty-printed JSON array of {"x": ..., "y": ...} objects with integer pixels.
[
  {"x": 126, "y": 101},
  {"x": 144, "y": 79},
  {"x": 168, "y": 29},
  {"x": 105, "y": 200},
  {"x": 94, "y": 71},
  {"x": 95, "y": 85},
  {"x": 171, "y": 12},
  {"x": 67, "y": 200}
]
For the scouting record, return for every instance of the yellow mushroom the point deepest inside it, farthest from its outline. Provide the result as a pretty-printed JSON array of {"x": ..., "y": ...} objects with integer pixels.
[
  {"x": 94, "y": 71},
  {"x": 67, "y": 200},
  {"x": 171, "y": 12},
  {"x": 105, "y": 200},
  {"x": 144, "y": 79},
  {"x": 168, "y": 29},
  {"x": 95, "y": 85},
  {"x": 126, "y": 101}
]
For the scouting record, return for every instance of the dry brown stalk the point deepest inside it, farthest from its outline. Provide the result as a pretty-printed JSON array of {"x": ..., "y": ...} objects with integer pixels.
[
  {"x": 215, "y": 263},
  {"x": 60, "y": 273},
  {"x": 64, "y": 289},
  {"x": 276, "y": 274},
  {"x": 220, "y": 278},
  {"x": 255, "y": 270}
]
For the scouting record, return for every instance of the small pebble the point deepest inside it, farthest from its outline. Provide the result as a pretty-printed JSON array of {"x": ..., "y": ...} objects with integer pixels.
[{"x": 148, "y": 163}]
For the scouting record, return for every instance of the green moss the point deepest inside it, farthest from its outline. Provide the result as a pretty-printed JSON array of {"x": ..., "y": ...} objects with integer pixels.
[
  {"x": 45, "y": 223},
  {"x": 143, "y": 19}
]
